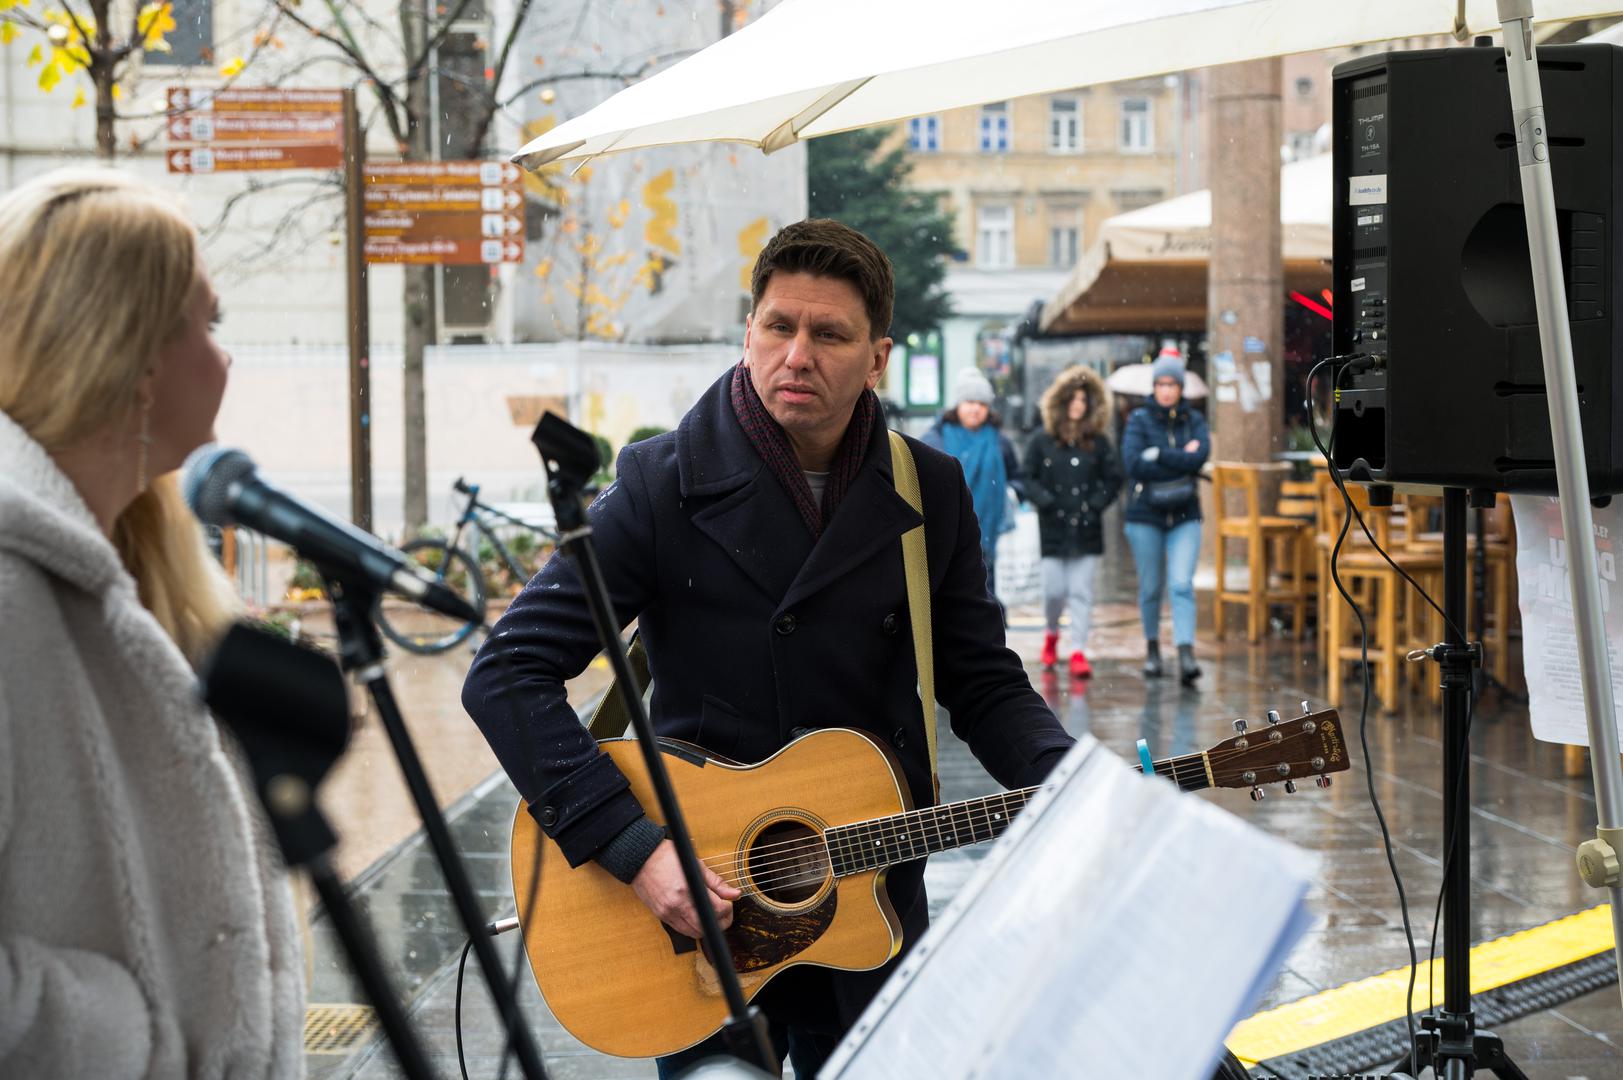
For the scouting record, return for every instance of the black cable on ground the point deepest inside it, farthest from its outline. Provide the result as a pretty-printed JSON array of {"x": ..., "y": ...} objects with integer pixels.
[{"x": 461, "y": 969}]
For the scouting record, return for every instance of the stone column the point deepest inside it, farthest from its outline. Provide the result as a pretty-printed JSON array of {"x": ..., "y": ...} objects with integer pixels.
[{"x": 1246, "y": 287}]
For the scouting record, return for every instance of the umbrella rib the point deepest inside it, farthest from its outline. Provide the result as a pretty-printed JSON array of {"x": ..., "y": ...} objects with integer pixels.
[{"x": 788, "y": 132}]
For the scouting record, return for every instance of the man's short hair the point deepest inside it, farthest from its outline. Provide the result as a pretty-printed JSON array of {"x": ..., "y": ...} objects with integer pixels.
[{"x": 825, "y": 248}]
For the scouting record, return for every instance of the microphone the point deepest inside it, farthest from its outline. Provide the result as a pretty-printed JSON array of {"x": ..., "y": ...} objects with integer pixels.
[{"x": 223, "y": 488}]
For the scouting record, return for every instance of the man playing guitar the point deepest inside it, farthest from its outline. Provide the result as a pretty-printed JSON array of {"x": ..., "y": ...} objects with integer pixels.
[{"x": 759, "y": 548}]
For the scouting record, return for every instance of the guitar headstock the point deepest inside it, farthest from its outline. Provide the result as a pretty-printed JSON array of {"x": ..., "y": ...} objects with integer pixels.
[{"x": 1304, "y": 747}]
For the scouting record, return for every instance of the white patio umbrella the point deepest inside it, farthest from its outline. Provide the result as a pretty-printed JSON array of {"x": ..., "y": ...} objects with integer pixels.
[
  {"x": 813, "y": 67},
  {"x": 1138, "y": 380}
]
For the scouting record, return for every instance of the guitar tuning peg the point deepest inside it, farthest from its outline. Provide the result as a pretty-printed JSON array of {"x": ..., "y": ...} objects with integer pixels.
[
  {"x": 1305, "y": 709},
  {"x": 1323, "y": 781},
  {"x": 1257, "y": 794},
  {"x": 1290, "y": 787},
  {"x": 1273, "y": 716},
  {"x": 1239, "y": 726}
]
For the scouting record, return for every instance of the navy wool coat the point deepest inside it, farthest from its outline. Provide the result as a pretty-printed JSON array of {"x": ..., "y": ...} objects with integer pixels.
[{"x": 755, "y": 633}]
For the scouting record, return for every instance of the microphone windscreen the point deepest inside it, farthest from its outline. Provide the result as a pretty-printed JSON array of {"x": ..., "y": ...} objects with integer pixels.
[{"x": 206, "y": 481}]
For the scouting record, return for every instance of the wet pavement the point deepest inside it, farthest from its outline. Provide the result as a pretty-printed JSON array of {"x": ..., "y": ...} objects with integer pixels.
[{"x": 1528, "y": 820}]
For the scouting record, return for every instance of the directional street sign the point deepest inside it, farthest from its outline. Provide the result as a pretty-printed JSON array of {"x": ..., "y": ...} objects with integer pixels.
[
  {"x": 238, "y": 130},
  {"x": 444, "y": 212}
]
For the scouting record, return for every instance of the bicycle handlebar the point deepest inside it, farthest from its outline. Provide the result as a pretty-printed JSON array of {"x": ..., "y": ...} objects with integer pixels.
[{"x": 462, "y": 487}]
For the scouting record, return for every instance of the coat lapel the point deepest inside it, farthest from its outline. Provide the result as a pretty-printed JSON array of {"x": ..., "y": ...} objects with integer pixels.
[
  {"x": 871, "y": 517},
  {"x": 752, "y": 520}
]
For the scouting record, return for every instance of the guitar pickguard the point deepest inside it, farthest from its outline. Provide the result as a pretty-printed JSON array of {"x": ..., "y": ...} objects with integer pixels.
[{"x": 761, "y": 938}]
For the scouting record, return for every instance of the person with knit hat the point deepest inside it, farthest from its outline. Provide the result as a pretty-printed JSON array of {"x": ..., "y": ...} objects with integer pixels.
[
  {"x": 969, "y": 431},
  {"x": 1163, "y": 449},
  {"x": 1072, "y": 475}
]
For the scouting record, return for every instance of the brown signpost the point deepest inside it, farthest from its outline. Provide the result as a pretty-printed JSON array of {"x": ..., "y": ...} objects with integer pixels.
[
  {"x": 444, "y": 212},
  {"x": 240, "y": 130}
]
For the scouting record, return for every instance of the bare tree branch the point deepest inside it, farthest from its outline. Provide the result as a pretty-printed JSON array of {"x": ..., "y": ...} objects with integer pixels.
[
  {"x": 414, "y": 68},
  {"x": 488, "y": 113},
  {"x": 380, "y": 85},
  {"x": 623, "y": 76},
  {"x": 256, "y": 187}
]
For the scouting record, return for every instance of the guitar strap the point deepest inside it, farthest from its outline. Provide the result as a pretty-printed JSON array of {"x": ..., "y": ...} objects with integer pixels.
[
  {"x": 610, "y": 719},
  {"x": 918, "y": 592}
]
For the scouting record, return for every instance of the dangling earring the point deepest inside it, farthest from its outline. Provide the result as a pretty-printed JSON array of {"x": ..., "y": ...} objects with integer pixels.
[{"x": 141, "y": 450}]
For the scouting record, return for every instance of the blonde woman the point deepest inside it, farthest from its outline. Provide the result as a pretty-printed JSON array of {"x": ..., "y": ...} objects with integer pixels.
[{"x": 146, "y": 929}]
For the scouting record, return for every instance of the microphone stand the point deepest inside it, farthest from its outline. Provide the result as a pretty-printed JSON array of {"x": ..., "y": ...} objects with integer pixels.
[
  {"x": 361, "y": 656},
  {"x": 570, "y": 458},
  {"x": 290, "y": 747}
]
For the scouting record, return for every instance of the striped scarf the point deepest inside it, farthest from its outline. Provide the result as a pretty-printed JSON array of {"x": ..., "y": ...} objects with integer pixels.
[{"x": 773, "y": 445}]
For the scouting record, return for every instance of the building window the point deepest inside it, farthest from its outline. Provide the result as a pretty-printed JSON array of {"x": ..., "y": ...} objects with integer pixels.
[
  {"x": 994, "y": 245},
  {"x": 1137, "y": 125},
  {"x": 1134, "y": 198},
  {"x": 1064, "y": 125},
  {"x": 1304, "y": 87},
  {"x": 924, "y": 134},
  {"x": 191, "y": 42},
  {"x": 1300, "y": 144},
  {"x": 995, "y": 127},
  {"x": 1064, "y": 236}
]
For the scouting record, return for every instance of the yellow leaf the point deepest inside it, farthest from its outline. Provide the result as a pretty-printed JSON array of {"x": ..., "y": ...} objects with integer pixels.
[
  {"x": 49, "y": 76},
  {"x": 35, "y": 56},
  {"x": 118, "y": 92},
  {"x": 153, "y": 23},
  {"x": 8, "y": 32},
  {"x": 79, "y": 98},
  {"x": 233, "y": 67}
]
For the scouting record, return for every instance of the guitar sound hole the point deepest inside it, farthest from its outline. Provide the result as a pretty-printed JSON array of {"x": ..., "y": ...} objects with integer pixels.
[{"x": 788, "y": 862}]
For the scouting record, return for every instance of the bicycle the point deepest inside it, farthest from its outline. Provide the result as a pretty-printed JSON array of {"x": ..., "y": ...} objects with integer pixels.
[{"x": 425, "y": 632}]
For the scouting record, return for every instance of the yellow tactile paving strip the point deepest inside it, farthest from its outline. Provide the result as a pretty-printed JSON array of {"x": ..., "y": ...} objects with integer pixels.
[{"x": 1378, "y": 999}]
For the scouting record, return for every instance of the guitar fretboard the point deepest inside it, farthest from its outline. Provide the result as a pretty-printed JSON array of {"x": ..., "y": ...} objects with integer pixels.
[{"x": 881, "y": 842}]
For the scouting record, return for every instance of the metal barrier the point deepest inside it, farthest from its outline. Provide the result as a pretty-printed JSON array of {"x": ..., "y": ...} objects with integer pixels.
[{"x": 246, "y": 557}]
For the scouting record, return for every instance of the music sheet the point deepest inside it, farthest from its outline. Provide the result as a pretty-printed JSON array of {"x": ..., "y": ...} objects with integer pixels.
[
  {"x": 1119, "y": 928},
  {"x": 1549, "y": 628}
]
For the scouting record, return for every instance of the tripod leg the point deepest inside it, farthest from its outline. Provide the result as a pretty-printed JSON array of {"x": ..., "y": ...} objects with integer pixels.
[{"x": 1490, "y": 1056}]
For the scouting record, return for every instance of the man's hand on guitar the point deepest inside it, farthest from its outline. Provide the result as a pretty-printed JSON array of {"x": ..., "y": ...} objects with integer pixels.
[{"x": 660, "y": 885}]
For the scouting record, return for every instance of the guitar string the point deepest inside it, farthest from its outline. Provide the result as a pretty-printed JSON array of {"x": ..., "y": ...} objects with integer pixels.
[
  {"x": 890, "y": 833},
  {"x": 793, "y": 871},
  {"x": 955, "y": 822},
  {"x": 1179, "y": 768}
]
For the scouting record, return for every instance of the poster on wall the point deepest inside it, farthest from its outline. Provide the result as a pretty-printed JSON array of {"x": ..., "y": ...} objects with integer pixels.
[{"x": 923, "y": 379}]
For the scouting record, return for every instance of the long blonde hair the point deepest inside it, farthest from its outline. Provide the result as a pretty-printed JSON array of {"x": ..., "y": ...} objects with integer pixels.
[{"x": 96, "y": 274}]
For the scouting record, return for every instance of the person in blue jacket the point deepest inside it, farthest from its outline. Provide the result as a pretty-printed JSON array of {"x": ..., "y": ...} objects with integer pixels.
[
  {"x": 1162, "y": 451},
  {"x": 971, "y": 432}
]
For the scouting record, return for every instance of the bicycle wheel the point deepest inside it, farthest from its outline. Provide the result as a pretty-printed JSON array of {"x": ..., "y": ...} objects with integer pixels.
[{"x": 425, "y": 632}]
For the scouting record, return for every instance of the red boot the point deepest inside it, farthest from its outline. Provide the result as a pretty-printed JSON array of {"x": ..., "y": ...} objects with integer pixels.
[
  {"x": 1080, "y": 669},
  {"x": 1050, "y": 655}
]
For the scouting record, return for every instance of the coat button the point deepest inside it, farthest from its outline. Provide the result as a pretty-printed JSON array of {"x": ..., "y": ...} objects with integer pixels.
[
  {"x": 786, "y": 624},
  {"x": 899, "y": 738},
  {"x": 549, "y": 816},
  {"x": 892, "y": 624},
  {"x": 1076, "y": 461}
]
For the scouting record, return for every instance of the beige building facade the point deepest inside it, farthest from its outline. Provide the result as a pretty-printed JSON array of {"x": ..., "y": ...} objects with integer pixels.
[{"x": 1031, "y": 179}]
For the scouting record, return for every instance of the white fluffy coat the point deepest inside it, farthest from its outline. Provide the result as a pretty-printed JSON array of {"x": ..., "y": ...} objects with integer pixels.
[{"x": 145, "y": 928}]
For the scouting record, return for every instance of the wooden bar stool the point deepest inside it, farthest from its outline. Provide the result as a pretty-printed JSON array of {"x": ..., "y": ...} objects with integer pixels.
[
  {"x": 1378, "y": 588},
  {"x": 1273, "y": 543}
]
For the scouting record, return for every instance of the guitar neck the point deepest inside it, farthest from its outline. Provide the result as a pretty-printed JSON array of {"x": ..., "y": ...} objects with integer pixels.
[{"x": 882, "y": 842}]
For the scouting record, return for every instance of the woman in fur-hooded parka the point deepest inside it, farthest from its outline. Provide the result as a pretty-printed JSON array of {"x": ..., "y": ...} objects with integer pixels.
[{"x": 1072, "y": 474}]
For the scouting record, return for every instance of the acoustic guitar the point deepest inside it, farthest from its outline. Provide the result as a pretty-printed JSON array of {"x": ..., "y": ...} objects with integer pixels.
[{"x": 806, "y": 836}]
